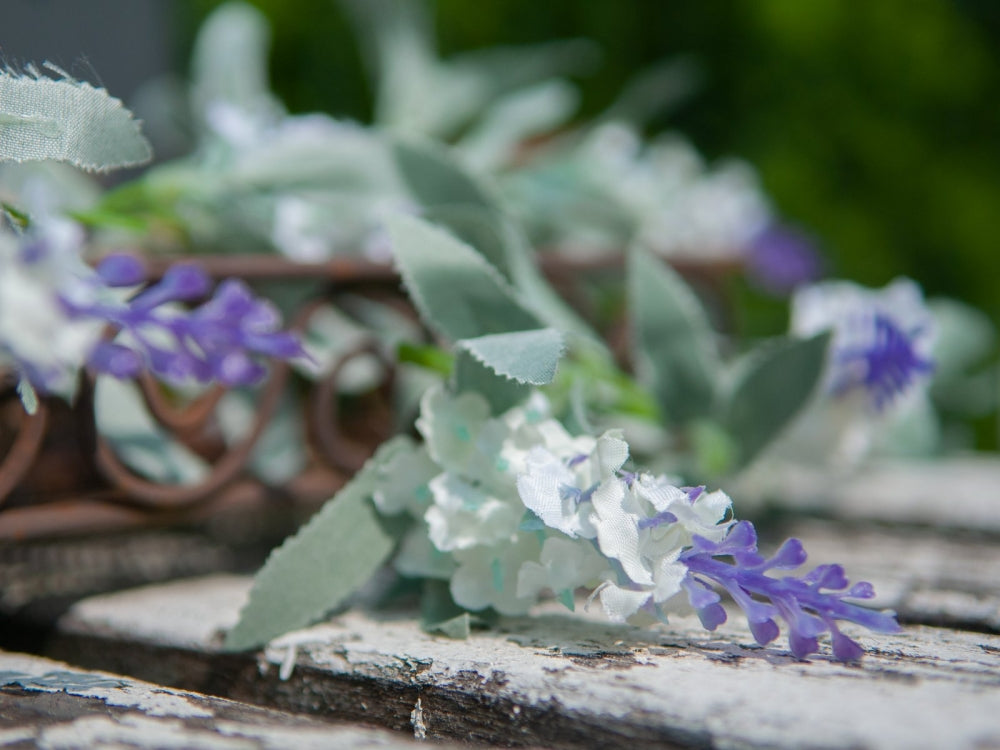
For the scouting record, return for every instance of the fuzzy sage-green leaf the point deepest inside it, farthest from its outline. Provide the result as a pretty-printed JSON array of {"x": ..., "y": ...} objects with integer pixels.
[
  {"x": 503, "y": 367},
  {"x": 468, "y": 206},
  {"x": 328, "y": 559},
  {"x": 68, "y": 121},
  {"x": 673, "y": 345},
  {"x": 458, "y": 293},
  {"x": 772, "y": 384}
]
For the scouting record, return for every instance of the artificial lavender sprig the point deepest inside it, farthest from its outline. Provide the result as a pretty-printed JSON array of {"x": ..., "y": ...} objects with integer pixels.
[
  {"x": 214, "y": 341},
  {"x": 810, "y": 605}
]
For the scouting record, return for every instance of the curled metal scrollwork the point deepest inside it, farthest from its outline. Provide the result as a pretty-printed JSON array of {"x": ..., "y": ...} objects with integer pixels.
[{"x": 109, "y": 494}]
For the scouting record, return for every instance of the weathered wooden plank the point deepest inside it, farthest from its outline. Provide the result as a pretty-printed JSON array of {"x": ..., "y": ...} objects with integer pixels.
[
  {"x": 960, "y": 492},
  {"x": 46, "y": 704},
  {"x": 559, "y": 679}
]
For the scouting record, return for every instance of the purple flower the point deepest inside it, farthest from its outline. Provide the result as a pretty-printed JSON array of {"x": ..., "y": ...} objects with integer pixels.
[
  {"x": 809, "y": 605},
  {"x": 781, "y": 258},
  {"x": 218, "y": 340},
  {"x": 887, "y": 365},
  {"x": 883, "y": 339}
]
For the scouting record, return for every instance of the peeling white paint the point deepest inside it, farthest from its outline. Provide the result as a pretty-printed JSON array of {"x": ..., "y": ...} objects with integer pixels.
[{"x": 417, "y": 722}]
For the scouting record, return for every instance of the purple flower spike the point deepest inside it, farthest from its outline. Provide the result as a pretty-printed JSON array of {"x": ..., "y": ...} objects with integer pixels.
[
  {"x": 181, "y": 283},
  {"x": 115, "y": 360},
  {"x": 219, "y": 340},
  {"x": 810, "y": 605},
  {"x": 121, "y": 269}
]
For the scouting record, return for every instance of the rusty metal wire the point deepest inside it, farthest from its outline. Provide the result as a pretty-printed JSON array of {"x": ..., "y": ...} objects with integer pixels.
[{"x": 107, "y": 495}]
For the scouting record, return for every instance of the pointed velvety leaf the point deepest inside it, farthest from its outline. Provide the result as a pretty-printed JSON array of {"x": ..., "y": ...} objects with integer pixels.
[
  {"x": 673, "y": 345},
  {"x": 465, "y": 204},
  {"x": 501, "y": 392},
  {"x": 314, "y": 571},
  {"x": 229, "y": 62},
  {"x": 772, "y": 384},
  {"x": 66, "y": 120},
  {"x": 525, "y": 356},
  {"x": 458, "y": 293},
  {"x": 122, "y": 417},
  {"x": 435, "y": 177},
  {"x": 516, "y": 117}
]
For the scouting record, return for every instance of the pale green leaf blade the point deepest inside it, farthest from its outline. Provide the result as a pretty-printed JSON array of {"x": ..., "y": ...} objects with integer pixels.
[
  {"x": 435, "y": 177},
  {"x": 457, "y": 292},
  {"x": 528, "y": 357},
  {"x": 516, "y": 117},
  {"x": 229, "y": 61},
  {"x": 468, "y": 206},
  {"x": 314, "y": 571},
  {"x": 772, "y": 384},
  {"x": 673, "y": 344},
  {"x": 68, "y": 121},
  {"x": 471, "y": 375}
]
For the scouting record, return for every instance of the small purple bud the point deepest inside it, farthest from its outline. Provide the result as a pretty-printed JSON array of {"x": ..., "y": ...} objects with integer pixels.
[
  {"x": 236, "y": 368},
  {"x": 712, "y": 616},
  {"x": 844, "y": 648},
  {"x": 115, "y": 360},
  {"x": 789, "y": 556},
  {"x": 827, "y": 577},
  {"x": 802, "y": 645},
  {"x": 182, "y": 282},
  {"x": 861, "y": 590},
  {"x": 764, "y": 632},
  {"x": 121, "y": 269}
]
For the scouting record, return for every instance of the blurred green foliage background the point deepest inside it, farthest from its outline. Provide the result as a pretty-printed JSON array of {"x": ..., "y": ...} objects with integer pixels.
[{"x": 872, "y": 124}]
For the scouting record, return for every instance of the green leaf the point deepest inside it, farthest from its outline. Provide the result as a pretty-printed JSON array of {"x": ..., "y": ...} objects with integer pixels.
[
  {"x": 68, "y": 121},
  {"x": 457, "y": 292},
  {"x": 435, "y": 177},
  {"x": 325, "y": 562},
  {"x": 525, "y": 356},
  {"x": 121, "y": 416},
  {"x": 471, "y": 375},
  {"x": 230, "y": 59},
  {"x": 29, "y": 399},
  {"x": 673, "y": 345},
  {"x": 466, "y": 205},
  {"x": 502, "y": 367},
  {"x": 772, "y": 384}
]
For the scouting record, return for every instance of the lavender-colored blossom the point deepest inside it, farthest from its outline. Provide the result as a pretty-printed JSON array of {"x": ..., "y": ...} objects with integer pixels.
[
  {"x": 882, "y": 339},
  {"x": 810, "y": 605},
  {"x": 214, "y": 341},
  {"x": 781, "y": 258},
  {"x": 888, "y": 365}
]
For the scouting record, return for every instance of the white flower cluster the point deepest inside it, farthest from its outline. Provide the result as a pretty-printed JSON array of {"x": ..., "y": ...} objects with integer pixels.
[
  {"x": 38, "y": 338},
  {"x": 514, "y": 507},
  {"x": 681, "y": 206}
]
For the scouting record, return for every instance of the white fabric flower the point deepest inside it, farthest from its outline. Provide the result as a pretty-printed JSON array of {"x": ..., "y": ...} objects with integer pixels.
[
  {"x": 35, "y": 330},
  {"x": 564, "y": 566},
  {"x": 558, "y": 488},
  {"x": 645, "y": 524},
  {"x": 464, "y": 516},
  {"x": 488, "y": 576}
]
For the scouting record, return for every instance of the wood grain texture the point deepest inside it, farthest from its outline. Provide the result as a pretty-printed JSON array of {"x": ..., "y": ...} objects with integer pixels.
[
  {"x": 47, "y": 704},
  {"x": 558, "y": 680}
]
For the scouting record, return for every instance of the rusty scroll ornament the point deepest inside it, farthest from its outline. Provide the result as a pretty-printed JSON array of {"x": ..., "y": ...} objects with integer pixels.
[{"x": 109, "y": 495}]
